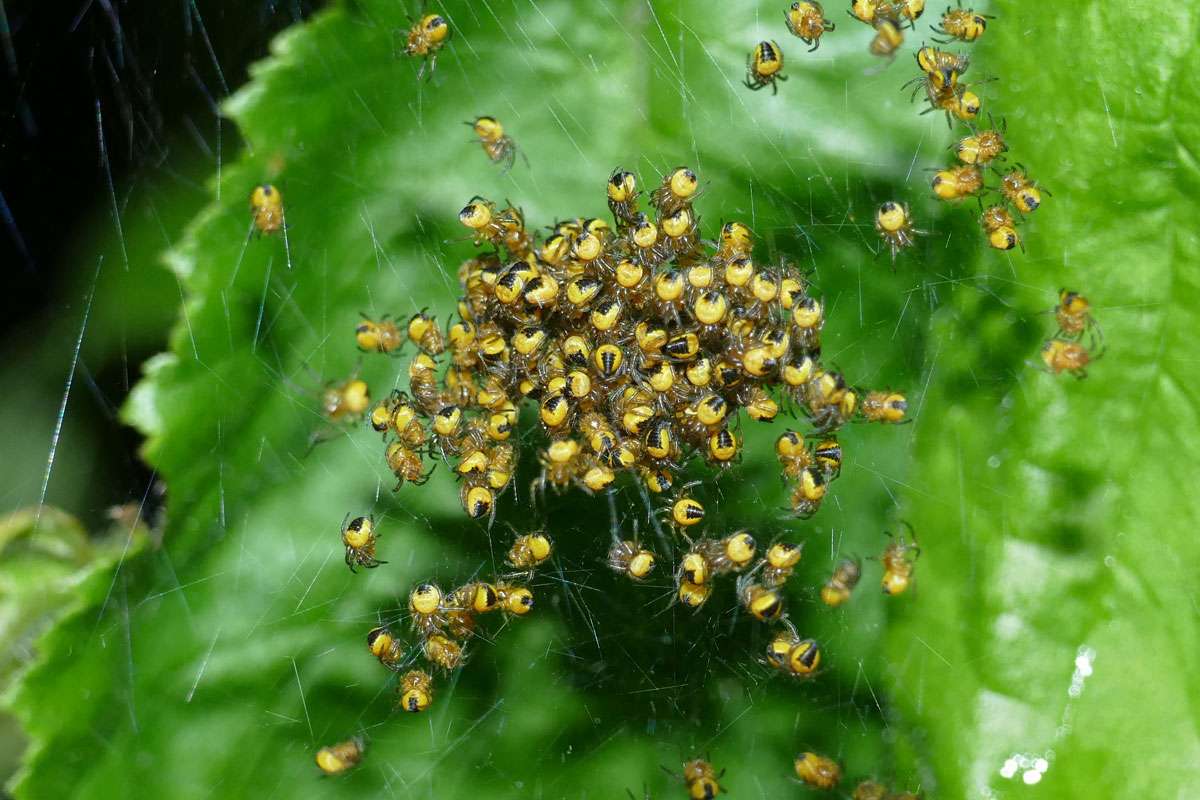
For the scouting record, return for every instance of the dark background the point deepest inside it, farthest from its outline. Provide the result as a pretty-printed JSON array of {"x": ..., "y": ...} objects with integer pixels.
[
  {"x": 100, "y": 99},
  {"x": 149, "y": 70}
]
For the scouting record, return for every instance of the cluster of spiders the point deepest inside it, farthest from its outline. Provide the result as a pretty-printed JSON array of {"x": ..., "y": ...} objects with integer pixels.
[
  {"x": 642, "y": 346},
  {"x": 445, "y": 622},
  {"x": 640, "y": 343}
]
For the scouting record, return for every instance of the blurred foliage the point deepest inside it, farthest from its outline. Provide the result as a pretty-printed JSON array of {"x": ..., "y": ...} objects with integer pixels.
[
  {"x": 116, "y": 282},
  {"x": 1045, "y": 507},
  {"x": 47, "y": 564}
]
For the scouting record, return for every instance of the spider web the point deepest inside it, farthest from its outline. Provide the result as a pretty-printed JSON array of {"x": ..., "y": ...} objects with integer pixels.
[{"x": 607, "y": 681}]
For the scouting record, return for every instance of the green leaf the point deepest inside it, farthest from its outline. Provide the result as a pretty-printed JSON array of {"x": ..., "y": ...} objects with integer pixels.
[
  {"x": 50, "y": 570},
  {"x": 237, "y": 649},
  {"x": 220, "y": 662},
  {"x": 42, "y": 554},
  {"x": 1056, "y": 615}
]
